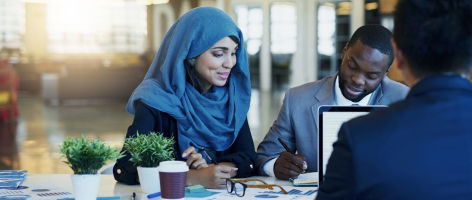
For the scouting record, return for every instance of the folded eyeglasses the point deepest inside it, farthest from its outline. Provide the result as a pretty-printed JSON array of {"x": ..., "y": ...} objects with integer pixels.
[{"x": 239, "y": 187}]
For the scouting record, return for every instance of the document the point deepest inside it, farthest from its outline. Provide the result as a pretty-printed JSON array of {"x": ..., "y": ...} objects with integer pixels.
[{"x": 306, "y": 179}]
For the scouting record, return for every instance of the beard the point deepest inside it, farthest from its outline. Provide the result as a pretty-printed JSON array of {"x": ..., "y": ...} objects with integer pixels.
[{"x": 342, "y": 87}]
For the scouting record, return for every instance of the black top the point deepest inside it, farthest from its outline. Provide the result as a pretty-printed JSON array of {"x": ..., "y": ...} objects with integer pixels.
[{"x": 148, "y": 119}]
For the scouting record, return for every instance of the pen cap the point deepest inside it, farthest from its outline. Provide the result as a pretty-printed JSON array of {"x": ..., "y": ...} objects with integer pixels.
[{"x": 173, "y": 176}]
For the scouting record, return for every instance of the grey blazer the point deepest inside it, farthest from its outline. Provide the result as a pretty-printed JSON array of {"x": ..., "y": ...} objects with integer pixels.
[{"x": 297, "y": 123}]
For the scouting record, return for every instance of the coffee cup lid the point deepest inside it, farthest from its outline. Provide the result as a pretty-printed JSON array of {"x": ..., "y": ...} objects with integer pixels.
[{"x": 173, "y": 166}]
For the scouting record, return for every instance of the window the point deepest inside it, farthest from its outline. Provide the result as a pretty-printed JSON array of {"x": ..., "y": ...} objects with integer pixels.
[
  {"x": 96, "y": 26},
  {"x": 283, "y": 41},
  {"x": 12, "y": 23},
  {"x": 333, "y": 34},
  {"x": 249, "y": 19}
]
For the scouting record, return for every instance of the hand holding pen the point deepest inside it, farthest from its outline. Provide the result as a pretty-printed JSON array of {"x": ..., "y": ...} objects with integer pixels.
[
  {"x": 288, "y": 165},
  {"x": 214, "y": 175},
  {"x": 194, "y": 159}
]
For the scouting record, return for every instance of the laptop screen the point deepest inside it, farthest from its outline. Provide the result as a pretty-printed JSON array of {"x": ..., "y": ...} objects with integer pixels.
[{"x": 329, "y": 122}]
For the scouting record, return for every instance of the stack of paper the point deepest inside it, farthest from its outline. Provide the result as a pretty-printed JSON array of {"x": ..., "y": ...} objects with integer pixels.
[{"x": 11, "y": 179}]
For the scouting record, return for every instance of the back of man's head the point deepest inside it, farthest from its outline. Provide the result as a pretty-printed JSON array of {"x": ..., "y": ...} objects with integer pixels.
[
  {"x": 435, "y": 36},
  {"x": 374, "y": 36}
]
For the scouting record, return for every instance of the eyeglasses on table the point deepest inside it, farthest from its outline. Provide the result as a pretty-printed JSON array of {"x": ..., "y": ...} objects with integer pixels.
[{"x": 239, "y": 187}]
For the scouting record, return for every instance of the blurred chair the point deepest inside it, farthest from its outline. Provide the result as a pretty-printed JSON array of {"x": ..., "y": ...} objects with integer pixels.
[{"x": 8, "y": 93}]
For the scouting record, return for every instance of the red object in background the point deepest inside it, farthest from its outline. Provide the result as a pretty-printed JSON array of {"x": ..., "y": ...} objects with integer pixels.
[
  {"x": 9, "y": 157},
  {"x": 9, "y": 83}
]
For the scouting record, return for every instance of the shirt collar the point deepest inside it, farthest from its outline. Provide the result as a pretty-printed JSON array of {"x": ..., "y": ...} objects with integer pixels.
[{"x": 340, "y": 100}]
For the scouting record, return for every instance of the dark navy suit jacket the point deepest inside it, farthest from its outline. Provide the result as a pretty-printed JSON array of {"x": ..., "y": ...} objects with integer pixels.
[{"x": 418, "y": 148}]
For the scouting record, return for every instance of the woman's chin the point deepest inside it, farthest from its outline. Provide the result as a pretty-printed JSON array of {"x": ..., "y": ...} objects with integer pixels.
[{"x": 220, "y": 83}]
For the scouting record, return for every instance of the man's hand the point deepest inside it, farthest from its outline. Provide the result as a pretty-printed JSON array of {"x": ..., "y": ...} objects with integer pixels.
[{"x": 289, "y": 165}]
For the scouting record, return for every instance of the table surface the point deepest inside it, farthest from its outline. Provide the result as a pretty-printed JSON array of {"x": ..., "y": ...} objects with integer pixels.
[{"x": 109, "y": 186}]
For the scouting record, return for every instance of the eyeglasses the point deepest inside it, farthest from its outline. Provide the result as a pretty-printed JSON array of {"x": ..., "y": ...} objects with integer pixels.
[{"x": 239, "y": 187}]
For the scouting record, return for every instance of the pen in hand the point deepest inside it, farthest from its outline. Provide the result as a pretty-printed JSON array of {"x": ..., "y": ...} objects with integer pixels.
[
  {"x": 284, "y": 145},
  {"x": 305, "y": 166},
  {"x": 212, "y": 160}
]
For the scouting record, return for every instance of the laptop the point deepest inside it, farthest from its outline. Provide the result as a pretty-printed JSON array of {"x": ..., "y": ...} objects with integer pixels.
[{"x": 329, "y": 122}]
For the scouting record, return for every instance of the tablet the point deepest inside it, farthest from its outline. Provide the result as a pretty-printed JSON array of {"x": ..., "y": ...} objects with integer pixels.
[{"x": 329, "y": 122}]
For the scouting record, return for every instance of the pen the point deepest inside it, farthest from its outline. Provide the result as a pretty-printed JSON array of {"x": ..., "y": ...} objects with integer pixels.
[
  {"x": 284, "y": 145},
  {"x": 209, "y": 157},
  {"x": 153, "y": 195},
  {"x": 288, "y": 150}
]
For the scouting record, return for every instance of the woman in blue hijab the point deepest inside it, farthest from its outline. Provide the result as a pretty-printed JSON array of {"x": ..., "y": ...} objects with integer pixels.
[{"x": 197, "y": 90}]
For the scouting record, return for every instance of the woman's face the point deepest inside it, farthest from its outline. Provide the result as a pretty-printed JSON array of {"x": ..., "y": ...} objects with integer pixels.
[{"x": 214, "y": 65}]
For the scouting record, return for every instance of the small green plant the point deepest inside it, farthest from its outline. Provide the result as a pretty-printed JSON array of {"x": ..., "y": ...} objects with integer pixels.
[
  {"x": 87, "y": 156},
  {"x": 147, "y": 150}
]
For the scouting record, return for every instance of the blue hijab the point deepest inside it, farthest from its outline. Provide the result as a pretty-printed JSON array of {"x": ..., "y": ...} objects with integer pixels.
[{"x": 205, "y": 120}]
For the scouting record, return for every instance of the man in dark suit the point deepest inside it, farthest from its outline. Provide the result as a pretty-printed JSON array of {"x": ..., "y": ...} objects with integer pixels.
[{"x": 421, "y": 147}]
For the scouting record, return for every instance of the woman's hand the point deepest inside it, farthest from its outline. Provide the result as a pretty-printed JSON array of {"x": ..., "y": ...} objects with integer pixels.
[
  {"x": 214, "y": 176},
  {"x": 232, "y": 173},
  {"x": 194, "y": 159}
]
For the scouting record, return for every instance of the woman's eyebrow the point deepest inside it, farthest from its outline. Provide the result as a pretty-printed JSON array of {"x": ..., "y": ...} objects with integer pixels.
[{"x": 225, "y": 48}]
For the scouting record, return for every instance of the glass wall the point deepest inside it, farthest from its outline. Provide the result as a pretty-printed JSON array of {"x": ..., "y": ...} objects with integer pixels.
[
  {"x": 283, "y": 42},
  {"x": 333, "y": 34},
  {"x": 96, "y": 26},
  {"x": 12, "y": 24},
  {"x": 372, "y": 14},
  {"x": 250, "y": 20}
]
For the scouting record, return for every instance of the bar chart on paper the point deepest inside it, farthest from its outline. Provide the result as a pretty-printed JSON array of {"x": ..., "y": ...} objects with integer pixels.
[{"x": 293, "y": 193}]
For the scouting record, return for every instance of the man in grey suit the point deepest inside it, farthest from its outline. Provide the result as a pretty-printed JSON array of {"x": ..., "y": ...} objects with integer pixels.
[{"x": 361, "y": 81}]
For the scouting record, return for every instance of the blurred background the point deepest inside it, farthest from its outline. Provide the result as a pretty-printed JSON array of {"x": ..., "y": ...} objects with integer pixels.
[{"x": 67, "y": 67}]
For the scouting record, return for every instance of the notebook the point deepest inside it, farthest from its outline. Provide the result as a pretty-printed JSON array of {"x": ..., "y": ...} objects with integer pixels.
[
  {"x": 305, "y": 179},
  {"x": 329, "y": 122}
]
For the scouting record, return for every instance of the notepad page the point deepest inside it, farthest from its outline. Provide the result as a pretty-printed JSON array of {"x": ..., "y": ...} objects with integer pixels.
[
  {"x": 332, "y": 122},
  {"x": 306, "y": 178}
]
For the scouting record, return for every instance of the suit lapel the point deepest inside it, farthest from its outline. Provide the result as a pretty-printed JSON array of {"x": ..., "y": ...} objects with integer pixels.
[
  {"x": 379, "y": 93},
  {"x": 323, "y": 96}
]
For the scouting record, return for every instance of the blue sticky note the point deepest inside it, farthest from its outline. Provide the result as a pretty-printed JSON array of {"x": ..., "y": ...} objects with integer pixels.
[{"x": 198, "y": 191}]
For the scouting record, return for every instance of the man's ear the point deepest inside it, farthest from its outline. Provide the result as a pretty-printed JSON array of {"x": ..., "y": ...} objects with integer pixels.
[
  {"x": 344, "y": 50},
  {"x": 403, "y": 66},
  {"x": 400, "y": 58}
]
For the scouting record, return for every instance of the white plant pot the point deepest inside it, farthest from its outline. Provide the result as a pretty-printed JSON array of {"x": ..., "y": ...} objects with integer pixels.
[
  {"x": 149, "y": 179},
  {"x": 85, "y": 186}
]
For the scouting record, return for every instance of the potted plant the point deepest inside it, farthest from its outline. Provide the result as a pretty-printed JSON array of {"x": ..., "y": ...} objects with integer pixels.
[
  {"x": 146, "y": 151},
  {"x": 85, "y": 157}
]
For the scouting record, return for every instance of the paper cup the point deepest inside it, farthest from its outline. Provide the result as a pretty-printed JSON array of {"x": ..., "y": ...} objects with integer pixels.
[{"x": 173, "y": 177}]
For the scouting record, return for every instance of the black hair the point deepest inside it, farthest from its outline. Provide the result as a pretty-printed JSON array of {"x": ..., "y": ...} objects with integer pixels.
[
  {"x": 375, "y": 36},
  {"x": 435, "y": 36},
  {"x": 191, "y": 72}
]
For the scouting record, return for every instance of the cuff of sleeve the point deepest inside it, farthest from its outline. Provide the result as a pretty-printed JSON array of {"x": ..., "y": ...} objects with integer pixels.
[
  {"x": 128, "y": 174},
  {"x": 269, "y": 167},
  {"x": 245, "y": 166}
]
